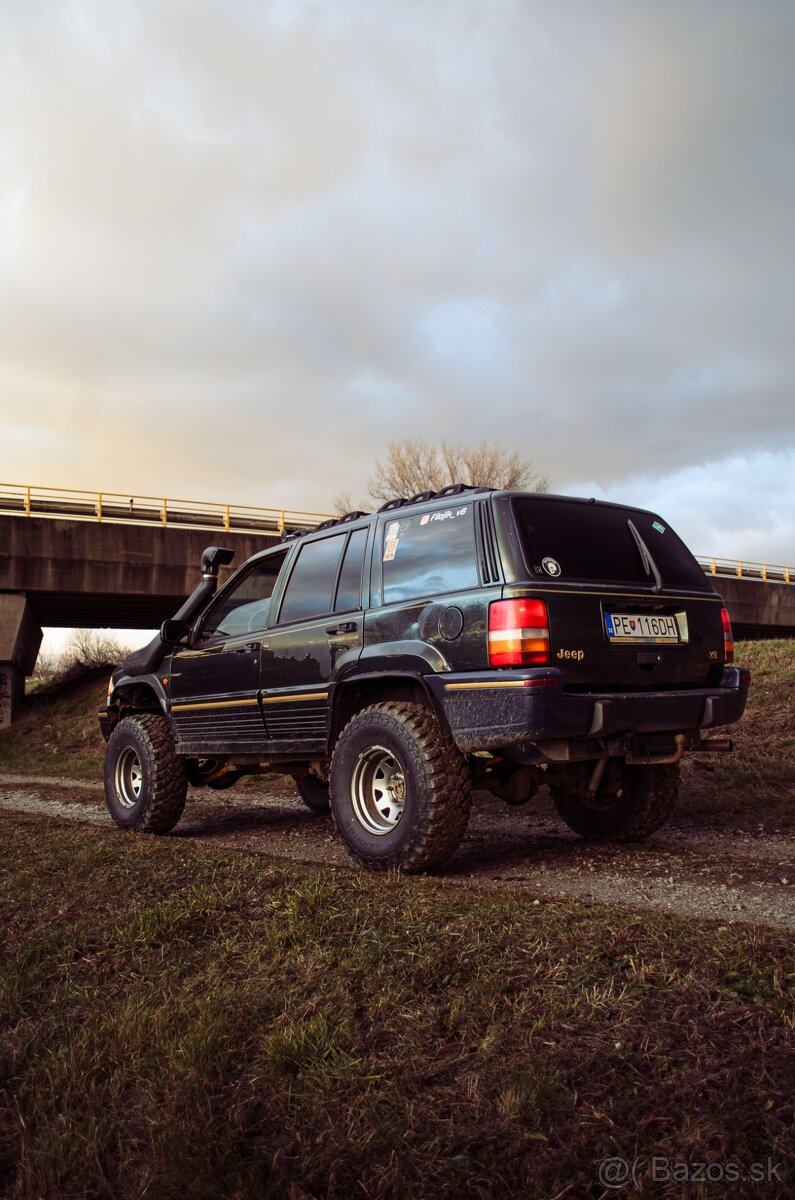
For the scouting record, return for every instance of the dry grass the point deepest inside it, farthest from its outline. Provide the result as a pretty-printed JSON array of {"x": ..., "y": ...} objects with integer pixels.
[
  {"x": 175, "y": 1024},
  {"x": 59, "y": 733},
  {"x": 756, "y": 784}
]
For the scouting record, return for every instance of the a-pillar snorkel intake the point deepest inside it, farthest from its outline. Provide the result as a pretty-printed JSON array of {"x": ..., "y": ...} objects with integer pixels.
[
  {"x": 142, "y": 662},
  {"x": 213, "y": 558}
]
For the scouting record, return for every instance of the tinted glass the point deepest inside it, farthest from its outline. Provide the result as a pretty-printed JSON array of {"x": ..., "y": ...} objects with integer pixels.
[
  {"x": 570, "y": 539},
  {"x": 429, "y": 554},
  {"x": 245, "y": 608},
  {"x": 349, "y": 588},
  {"x": 676, "y": 564},
  {"x": 311, "y": 587}
]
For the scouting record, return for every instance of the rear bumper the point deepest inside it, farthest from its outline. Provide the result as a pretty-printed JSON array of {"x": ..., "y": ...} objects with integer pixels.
[{"x": 495, "y": 710}]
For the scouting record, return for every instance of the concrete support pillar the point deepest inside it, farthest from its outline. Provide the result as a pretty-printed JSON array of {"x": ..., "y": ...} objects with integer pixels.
[{"x": 20, "y": 639}]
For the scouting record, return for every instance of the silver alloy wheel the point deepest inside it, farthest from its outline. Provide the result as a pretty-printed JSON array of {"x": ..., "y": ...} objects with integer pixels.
[
  {"x": 128, "y": 777},
  {"x": 378, "y": 790}
]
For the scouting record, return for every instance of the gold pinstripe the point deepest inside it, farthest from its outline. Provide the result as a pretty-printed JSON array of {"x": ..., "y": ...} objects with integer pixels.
[{"x": 212, "y": 704}]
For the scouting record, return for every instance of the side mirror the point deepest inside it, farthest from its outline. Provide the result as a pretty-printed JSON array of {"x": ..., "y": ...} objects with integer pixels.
[{"x": 174, "y": 632}]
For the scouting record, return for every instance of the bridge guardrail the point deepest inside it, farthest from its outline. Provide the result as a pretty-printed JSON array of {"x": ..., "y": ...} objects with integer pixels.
[
  {"x": 121, "y": 508},
  {"x": 742, "y": 569}
]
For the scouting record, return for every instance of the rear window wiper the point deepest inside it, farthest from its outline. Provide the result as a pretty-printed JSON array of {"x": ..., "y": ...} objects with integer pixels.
[{"x": 649, "y": 565}]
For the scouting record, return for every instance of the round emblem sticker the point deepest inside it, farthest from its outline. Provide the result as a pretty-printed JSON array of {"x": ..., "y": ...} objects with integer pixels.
[{"x": 551, "y": 566}]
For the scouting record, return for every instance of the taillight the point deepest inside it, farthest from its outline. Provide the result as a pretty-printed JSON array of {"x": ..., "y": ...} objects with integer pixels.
[
  {"x": 518, "y": 633},
  {"x": 728, "y": 636}
]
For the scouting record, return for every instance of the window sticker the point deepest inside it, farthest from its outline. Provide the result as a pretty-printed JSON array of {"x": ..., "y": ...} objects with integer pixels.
[
  {"x": 449, "y": 514},
  {"x": 392, "y": 537},
  {"x": 551, "y": 566},
  {"x": 656, "y": 525}
]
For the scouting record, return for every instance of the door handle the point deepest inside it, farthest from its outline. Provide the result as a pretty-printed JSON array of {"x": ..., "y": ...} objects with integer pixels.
[
  {"x": 345, "y": 627},
  {"x": 247, "y": 648}
]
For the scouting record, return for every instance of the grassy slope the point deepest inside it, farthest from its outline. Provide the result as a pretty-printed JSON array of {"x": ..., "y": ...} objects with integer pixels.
[
  {"x": 179, "y": 1024},
  {"x": 757, "y": 782},
  {"x": 60, "y": 737}
]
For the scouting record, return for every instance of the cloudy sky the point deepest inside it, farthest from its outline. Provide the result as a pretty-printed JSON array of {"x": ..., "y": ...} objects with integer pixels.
[{"x": 245, "y": 245}]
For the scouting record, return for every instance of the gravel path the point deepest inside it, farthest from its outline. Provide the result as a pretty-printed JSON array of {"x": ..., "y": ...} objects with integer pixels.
[{"x": 683, "y": 869}]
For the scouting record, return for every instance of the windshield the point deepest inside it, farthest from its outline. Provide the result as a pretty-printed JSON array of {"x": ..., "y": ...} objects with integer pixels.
[{"x": 585, "y": 541}]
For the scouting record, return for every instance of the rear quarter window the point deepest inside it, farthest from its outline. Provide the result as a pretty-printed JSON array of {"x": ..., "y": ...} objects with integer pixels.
[{"x": 428, "y": 554}]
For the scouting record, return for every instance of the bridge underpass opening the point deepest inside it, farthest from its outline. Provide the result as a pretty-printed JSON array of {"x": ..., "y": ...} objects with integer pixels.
[{"x": 59, "y": 573}]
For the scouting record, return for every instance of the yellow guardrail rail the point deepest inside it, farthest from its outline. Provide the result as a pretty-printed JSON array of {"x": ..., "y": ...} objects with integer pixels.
[
  {"x": 26, "y": 500},
  {"x": 742, "y": 569},
  {"x": 120, "y": 508}
]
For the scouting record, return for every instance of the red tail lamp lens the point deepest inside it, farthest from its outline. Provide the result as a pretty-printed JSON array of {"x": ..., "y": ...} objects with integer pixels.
[
  {"x": 728, "y": 636},
  {"x": 518, "y": 633}
]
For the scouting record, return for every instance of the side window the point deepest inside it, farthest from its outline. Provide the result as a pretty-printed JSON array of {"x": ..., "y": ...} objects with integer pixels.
[
  {"x": 349, "y": 588},
  {"x": 310, "y": 590},
  {"x": 429, "y": 554},
  {"x": 244, "y": 609}
]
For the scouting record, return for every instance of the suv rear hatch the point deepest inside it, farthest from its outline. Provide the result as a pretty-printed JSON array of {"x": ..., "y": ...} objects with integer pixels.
[{"x": 629, "y": 607}]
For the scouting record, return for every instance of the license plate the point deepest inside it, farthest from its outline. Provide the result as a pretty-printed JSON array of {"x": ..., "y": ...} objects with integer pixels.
[{"x": 630, "y": 627}]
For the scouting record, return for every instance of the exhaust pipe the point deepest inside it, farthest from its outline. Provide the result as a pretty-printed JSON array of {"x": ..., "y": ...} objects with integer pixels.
[{"x": 715, "y": 746}]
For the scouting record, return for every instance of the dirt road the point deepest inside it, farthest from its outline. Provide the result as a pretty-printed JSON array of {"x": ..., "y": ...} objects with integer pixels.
[{"x": 685, "y": 868}]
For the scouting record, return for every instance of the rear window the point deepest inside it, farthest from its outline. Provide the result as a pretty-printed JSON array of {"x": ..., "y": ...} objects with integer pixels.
[{"x": 570, "y": 539}]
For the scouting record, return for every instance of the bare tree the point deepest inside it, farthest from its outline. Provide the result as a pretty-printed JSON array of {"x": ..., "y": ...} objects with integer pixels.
[
  {"x": 341, "y": 503},
  {"x": 89, "y": 648},
  {"x": 412, "y": 466},
  {"x": 47, "y": 666}
]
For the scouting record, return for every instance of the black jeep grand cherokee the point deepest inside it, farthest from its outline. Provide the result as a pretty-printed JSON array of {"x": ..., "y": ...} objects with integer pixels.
[{"x": 392, "y": 662}]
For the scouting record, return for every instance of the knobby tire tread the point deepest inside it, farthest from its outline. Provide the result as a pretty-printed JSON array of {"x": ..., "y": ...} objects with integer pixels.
[
  {"x": 658, "y": 792},
  {"x": 442, "y": 821},
  {"x": 168, "y": 779}
]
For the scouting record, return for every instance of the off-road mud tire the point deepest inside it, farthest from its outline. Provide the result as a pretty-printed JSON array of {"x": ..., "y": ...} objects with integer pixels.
[
  {"x": 643, "y": 803},
  {"x": 160, "y": 798},
  {"x": 314, "y": 793},
  {"x": 437, "y": 788}
]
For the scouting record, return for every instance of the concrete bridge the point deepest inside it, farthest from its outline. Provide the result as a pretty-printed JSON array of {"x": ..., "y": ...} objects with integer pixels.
[{"x": 105, "y": 560}]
